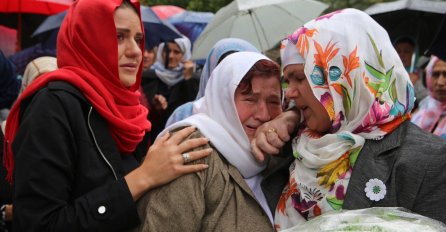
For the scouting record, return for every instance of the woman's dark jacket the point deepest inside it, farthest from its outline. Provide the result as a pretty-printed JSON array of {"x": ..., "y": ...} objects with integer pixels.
[
  {"x": 68, "y": 172},
  {"x": 410, "y": 162}
]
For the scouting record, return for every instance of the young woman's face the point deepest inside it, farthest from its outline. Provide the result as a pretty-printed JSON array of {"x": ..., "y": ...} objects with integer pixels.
[
  {"x": 130, "y": 38},
  {"x": 149, "y": 58},
  {"x": 438, "y": 81},
  {"x": 260, "y": 105},
  {"x": 175, "y": 55},
  {"x": 405, "y": 51},
  {"x": 299, "y": 90}
]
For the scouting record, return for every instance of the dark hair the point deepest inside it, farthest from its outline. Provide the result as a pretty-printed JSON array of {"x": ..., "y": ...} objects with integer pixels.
[
  {"x": 264, "y": 68},
  {"x": 128, "y": 4},
  {"x": 225, "y": 55},
  {"x": 405, "y": 39}
]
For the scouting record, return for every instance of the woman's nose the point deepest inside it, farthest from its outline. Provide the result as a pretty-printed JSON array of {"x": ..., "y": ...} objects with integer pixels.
[
  {"x": 262, "y": 112},
  {"x": 133, "y": 49},
  {"x": 291, "y": 92}
]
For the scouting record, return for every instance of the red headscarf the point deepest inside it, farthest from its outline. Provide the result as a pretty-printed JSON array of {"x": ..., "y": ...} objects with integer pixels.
[{"x": 87, "y": 56}]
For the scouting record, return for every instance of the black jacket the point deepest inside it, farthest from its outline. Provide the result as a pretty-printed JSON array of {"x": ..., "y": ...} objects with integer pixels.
[{"x": 68, "y": 172}]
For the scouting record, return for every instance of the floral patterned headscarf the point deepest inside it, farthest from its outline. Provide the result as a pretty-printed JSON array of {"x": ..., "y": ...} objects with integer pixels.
[{"x": 358, "y": 77}]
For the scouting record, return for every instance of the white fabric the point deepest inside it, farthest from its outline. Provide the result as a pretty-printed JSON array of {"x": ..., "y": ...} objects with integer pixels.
[
  {"x": 289, "y": 54},
  {"x": 172, "y": 76}
]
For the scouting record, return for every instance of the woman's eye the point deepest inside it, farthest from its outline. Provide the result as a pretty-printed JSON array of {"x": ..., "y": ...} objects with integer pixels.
[
  {"x": 139, "y": 40},
  {"x": 120, "y": 37},
  {"x": 250, "y": 99}
]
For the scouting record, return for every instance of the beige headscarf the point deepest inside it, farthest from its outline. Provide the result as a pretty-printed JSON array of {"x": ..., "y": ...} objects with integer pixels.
[
  {"x": 34, "y": 69},
  {"x": 37, "y": 67}
]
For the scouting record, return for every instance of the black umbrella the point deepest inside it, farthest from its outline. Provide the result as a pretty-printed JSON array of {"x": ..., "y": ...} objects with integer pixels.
[
  {"x": 156, "y": 30},
  {"x": 438, "y": 47},
  {"x": 419, "y": 19}
]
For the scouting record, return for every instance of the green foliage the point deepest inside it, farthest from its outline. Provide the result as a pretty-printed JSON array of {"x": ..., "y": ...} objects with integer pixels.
[{"x": 358, "y": 4}]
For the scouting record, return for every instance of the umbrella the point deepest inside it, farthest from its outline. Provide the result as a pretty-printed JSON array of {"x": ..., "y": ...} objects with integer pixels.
[
  {"x": 261, "y": 22},
  {"x": 165, "y": 11},
  {"x": 46, "y": 7},
  {"x": 438, "y": 47},
  {"x": 419, "y": 19},
  {"x": 26, "y": 15},
  {"x": 8, "y": 41},
  {"x": 156, "y": 30},
  {"x": 191, "y": 23}
]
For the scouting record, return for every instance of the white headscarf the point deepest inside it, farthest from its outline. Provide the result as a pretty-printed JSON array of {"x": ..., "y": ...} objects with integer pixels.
[
  {"x": 172, "y": 76},
  {"x": 217, "y": 116}
]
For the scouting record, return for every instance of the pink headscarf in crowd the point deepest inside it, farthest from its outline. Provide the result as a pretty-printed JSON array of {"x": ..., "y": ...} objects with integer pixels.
[{"x": 431, "y": 111}]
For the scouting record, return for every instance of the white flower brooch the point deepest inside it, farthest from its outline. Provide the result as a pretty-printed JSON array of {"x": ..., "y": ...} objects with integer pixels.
[{"x": 375, "y": 189}]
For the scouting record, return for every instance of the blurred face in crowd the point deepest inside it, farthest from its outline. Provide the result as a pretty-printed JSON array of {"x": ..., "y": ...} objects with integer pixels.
[
  {"x": 149, "y": 58},
  {"x": 130, "y": 38},
  {"x": 175, "y": 55},
  {"x": 405, "y": 51},
  {"x": 300, "y": 91},
  {"x": 438, "y": 81},
  {"x": 260, "y": 104}
]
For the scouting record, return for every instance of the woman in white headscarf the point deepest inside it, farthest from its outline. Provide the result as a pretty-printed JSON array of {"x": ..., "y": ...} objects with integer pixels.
[
  {"x": 170, "y": 82},
  {"x": 218, "y": 52},
  {"x": 243, "y": 92},
  {"x": 356, "y": 147}
]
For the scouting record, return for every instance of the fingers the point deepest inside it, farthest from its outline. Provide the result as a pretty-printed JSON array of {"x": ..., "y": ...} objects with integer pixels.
[
  {"x": 161, "y": 100},
  {"x": 274, "y": 139},
  {"x": 196, "y": 155},
  {"x": 265, "y": 146},
  {"x": 192, "y": 143},
  {"x": 256, "y": 152},
  {"x": 181, "y": 135}
]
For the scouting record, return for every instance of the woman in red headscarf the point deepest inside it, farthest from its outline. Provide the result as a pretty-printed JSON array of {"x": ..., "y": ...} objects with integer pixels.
[{"x": 75, "y": 136}]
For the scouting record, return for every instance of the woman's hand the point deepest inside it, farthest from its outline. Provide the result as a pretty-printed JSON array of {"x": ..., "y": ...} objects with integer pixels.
[
  {"x": 188, "y": 69},
  {"x": 159, "y": 102},
  {"x": 272, "y": 135},
  {"x": 164, "y": 161}
]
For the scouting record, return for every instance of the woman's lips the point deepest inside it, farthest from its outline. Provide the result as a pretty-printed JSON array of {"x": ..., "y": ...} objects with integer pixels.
[{"x": 129, "y": 67}]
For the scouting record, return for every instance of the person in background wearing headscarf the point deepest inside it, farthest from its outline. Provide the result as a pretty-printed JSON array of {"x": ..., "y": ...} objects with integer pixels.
[
  {"x": 227, "y": 196},
  {"x": 406, "y": 48},
  {"x": 170, "y": 83},
  {"x": 218, "y": 52},
  {"x": 75, "y": 138},
  {"x": 33, "y": 70},
  {"x": 356, "y": 147},
  {"x": 431, "y": 112}
]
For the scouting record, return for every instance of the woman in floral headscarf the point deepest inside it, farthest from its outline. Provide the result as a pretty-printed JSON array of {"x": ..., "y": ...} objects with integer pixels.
[
  {"x": 432, "y": 109},
  {"x": 220, "y": 50},
  {"x": 356, "y": 147}
]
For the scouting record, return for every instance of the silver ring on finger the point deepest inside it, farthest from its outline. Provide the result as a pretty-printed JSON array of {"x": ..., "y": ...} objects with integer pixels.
[{"x": 186, "y": 157}]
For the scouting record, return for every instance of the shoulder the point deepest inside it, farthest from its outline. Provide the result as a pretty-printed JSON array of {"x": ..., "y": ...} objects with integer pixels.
[
  {"x": 420, "y": 149},
  {"x": 61, "y": 90}
]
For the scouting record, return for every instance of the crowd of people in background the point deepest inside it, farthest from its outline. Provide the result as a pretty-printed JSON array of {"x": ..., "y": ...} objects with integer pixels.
[{"x": 116, "y": 136}]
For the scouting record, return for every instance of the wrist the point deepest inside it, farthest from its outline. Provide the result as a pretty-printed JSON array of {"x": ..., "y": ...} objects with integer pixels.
[{"x": 138, "y": 183}]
